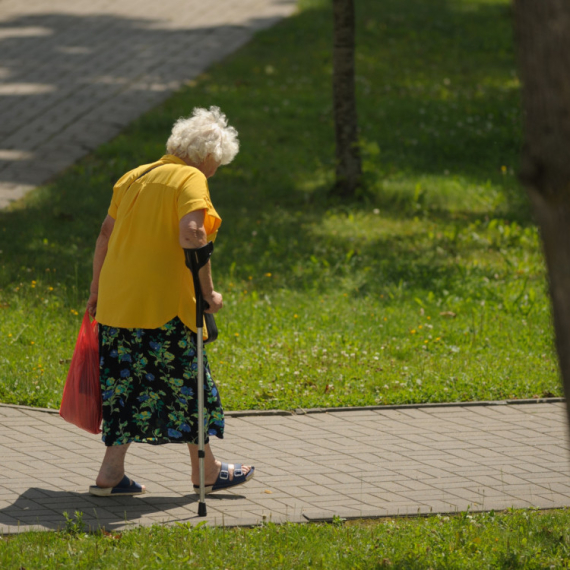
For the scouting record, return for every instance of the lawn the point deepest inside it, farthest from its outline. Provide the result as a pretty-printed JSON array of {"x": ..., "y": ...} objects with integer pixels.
[
  {"x": 428, "y": 288},
  {"x": 515, "y": 539}
]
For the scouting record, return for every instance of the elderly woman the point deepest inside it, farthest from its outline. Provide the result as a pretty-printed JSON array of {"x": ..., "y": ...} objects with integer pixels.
[{"x": 143, "y": 296}]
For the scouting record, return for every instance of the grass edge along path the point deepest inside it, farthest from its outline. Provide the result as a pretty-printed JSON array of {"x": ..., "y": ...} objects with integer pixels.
[{"x": 513, "y": 539}]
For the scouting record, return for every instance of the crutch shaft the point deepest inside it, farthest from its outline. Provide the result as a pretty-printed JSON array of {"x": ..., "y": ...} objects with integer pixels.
[
  {"x": 195, "y": 260},
  {"x": 201, "y": 445}
]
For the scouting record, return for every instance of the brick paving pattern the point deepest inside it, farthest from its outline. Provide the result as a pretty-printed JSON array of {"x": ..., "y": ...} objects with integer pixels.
[
  {"x": 359, "y": 463},
  {"x": 74, "y": 73}
]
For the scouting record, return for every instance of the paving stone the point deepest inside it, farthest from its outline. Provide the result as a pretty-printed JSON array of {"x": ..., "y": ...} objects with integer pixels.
[
  {"x": 91, "y": 74},
  {"x": 323, "y": 483}
]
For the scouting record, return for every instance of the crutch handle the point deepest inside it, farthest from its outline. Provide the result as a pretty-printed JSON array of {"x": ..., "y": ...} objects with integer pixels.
[{"x": 196, "y": 259}]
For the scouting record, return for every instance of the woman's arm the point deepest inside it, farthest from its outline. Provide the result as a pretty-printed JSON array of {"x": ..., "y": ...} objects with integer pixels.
[
  {"x": 98, "y": 259},
  {"x": 192, "y": 236}
]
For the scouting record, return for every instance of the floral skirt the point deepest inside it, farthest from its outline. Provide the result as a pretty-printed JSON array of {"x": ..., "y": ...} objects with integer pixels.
[{"x": 149, "y": 383}]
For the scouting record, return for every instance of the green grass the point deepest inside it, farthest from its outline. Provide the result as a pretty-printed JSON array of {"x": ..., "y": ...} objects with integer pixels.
[
  {"x": 516, "y": 539},
  {"x": 431, "y": 287}
]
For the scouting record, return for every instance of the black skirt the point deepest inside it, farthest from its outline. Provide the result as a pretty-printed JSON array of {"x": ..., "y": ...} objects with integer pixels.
[{"x": 149, "y": 384}]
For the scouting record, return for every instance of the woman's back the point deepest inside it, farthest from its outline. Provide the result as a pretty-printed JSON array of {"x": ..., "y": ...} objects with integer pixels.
[{"x": 144, "y": 281}]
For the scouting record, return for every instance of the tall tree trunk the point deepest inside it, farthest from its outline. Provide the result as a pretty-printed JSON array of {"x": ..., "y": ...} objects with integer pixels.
[
  {"x": 348, "y": 163},
  {"x": 542, "y": 29}
]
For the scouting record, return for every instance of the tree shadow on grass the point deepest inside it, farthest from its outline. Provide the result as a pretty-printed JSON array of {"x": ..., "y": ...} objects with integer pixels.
[
  {"x": 71, "y": 82},
  {"x": 423, "y": 68}
]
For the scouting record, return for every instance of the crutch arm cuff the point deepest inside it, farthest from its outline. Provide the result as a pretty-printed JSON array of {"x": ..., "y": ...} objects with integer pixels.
[{"x": 197, "y": 257}]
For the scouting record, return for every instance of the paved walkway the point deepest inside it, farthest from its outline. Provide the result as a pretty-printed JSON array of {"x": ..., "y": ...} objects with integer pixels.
[
  {"x": 358, "y": 463},
  {"x": 75, "y": 72}
]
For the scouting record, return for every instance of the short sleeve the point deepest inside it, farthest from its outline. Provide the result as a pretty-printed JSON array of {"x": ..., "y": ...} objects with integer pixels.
[
  {"x": 193, "y": 195},
  {"x": 116, "y": 200},
  {"x": 114, "y": 206}
]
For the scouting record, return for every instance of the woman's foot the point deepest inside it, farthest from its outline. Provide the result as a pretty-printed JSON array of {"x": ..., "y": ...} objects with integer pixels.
[
  {"x": 212, "y": 472},
  {"x": 217, "y": 475},
  {"x": 228, "y": 476},
  {"x": 109, "y": 482},
  {"x": 112, "y": 470},
  {"x": 125, "y": 487}
]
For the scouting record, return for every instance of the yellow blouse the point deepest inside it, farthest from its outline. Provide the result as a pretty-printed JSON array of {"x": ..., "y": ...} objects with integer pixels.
[{"x": 144, "y": 281}]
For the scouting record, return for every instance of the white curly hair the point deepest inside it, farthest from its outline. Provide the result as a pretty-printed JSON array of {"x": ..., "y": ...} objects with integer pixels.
[{"x": 205, "y": 133}]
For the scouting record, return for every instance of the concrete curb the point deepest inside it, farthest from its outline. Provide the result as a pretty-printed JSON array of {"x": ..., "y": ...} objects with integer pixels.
[
  {"x": 301, "y": 411},
  {"x": 308, "y": 411},
  {"x": 327, "y": 518}
]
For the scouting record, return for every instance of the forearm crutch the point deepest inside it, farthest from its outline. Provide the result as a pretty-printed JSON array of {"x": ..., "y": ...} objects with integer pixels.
[{"x": 195, "y": 260}]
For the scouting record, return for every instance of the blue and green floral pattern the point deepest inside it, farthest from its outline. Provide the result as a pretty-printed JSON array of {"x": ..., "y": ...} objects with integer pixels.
[{"x": 149, "y": 383}]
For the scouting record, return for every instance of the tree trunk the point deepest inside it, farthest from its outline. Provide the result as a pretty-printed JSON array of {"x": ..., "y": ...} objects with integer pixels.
[
  {"x": 348, "y": 163},
  {"x": 542, "y": 29}
]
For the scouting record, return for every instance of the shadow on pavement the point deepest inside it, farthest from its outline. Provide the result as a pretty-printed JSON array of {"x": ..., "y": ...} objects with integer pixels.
[
  {"x": 71, "y": 82},
  {"x": 54, "y": 510}
]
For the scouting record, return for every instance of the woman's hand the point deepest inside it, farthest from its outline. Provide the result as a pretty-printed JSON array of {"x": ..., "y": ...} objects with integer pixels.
[
  {"x": 214, "y": 301},
  {"x": 92, "y": 304}
]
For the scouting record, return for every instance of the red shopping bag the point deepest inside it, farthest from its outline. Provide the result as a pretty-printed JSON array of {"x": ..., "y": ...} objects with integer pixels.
[{"x": 81, "y": 403}]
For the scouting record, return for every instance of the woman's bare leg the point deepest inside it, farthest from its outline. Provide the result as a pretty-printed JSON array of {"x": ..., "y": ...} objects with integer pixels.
[
  {"x": 113, "y": 466},
  {"x": 211, "y": 466}
]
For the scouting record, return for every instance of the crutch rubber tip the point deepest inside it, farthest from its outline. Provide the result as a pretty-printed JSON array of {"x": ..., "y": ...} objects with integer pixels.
[{"x": 202, "y": 512}]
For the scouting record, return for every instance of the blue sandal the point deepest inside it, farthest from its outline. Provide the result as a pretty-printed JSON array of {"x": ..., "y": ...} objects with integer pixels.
[
  {"x": 126, "y": 487},
  {"x": 223, "y": 481}
]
